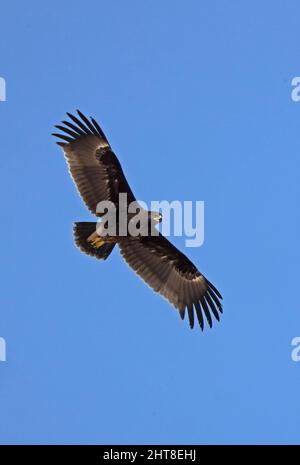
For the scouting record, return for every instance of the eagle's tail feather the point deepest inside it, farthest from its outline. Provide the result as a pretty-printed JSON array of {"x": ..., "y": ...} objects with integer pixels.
[{"x": 100, "y": 249}]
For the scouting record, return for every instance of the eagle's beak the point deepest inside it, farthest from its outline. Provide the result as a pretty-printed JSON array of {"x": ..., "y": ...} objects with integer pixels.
[{"x": 157, "y": 217}]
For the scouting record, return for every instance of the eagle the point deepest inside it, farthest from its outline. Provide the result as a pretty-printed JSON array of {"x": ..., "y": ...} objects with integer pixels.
[{"x": 98, "y": 176}]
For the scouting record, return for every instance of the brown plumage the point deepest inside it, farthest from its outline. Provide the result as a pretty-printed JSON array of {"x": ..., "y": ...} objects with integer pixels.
[{"x": 98, "y": 176}]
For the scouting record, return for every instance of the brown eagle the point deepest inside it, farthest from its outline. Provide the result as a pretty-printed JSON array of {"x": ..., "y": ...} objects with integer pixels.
[{"x": 98, "y": 176}]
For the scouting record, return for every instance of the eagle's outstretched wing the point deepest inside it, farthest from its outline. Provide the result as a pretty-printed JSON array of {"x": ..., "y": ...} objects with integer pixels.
[
  {"x": 94, "y": 167},
  {"x": 168, "y": 271}
]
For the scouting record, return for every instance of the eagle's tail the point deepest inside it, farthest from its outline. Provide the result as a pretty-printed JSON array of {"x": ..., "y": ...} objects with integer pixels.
[{"x": 97, "y": 248}]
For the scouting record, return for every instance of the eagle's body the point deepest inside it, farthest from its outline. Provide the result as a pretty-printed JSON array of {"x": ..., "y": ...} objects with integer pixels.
[{"x": 99, "y": 177}]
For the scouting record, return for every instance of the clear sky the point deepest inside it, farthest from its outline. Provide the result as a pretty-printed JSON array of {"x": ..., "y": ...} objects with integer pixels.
[{"x": 195, "y": 98}]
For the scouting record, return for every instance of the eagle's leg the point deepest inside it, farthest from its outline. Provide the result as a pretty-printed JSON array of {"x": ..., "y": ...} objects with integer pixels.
[{"x": 97, "y": 241}]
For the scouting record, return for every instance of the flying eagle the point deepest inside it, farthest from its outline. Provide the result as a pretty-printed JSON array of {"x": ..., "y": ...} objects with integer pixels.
[{"x": 98, "y": 176}]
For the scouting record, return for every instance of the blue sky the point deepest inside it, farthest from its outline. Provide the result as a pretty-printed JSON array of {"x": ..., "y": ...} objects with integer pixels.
[{"x": 195, "y": 98}]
